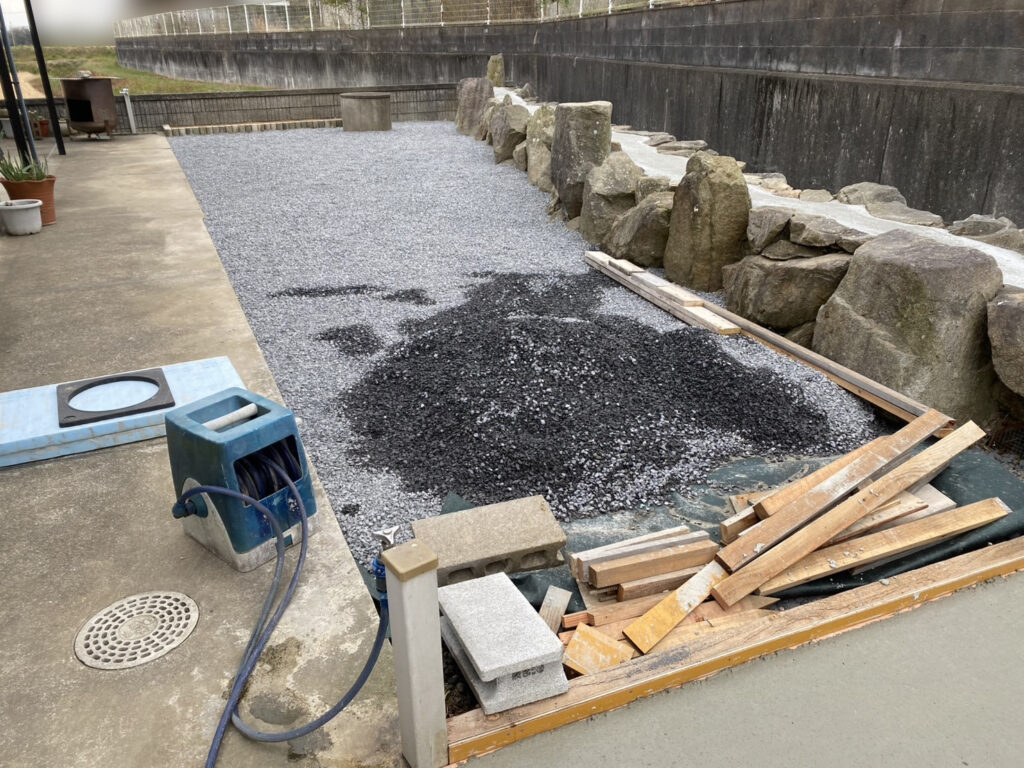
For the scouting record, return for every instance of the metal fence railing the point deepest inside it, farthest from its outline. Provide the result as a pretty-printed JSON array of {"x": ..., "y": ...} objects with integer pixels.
[{"x": 312, "y": 15}]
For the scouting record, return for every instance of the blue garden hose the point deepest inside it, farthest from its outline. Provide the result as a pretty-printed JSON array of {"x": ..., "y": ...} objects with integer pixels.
[{"x": 261, "y": 474}]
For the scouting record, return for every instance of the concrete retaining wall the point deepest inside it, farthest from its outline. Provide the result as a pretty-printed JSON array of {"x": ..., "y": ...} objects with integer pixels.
[
  {"x": 152, "y": 112},
  {"x": 923, "y": 94}
]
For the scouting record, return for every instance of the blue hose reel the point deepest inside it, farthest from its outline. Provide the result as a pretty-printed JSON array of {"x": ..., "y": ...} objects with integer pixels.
[{"x": 230, "y": 439}]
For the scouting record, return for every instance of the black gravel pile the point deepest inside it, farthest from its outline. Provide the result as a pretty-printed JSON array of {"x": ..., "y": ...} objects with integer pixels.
[
  {"x": 527, "y": 389},
  {"x": 358, "y": 340}
]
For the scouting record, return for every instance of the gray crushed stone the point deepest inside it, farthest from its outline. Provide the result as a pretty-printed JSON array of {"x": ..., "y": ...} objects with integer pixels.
[{"x": 493, "y": 362}]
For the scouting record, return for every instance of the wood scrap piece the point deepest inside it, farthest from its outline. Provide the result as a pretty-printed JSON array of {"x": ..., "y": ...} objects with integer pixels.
[
  {"x": 593, "y": 598},
  {"x": 625, "y": 267},
  {"x": 881, "y": 453},
  {"x": 787, "y": 552},
  {"x": 885, "y": 544},
  {"x": 584, "y": 563},
  {"x": 634, "y": 567},
  {"x": 904, "y": 504},
  {"x": 732, "y": 527},
  {"x": 590, "y": 651},
  {"x": 577, "y": 557},
  {"x": 937, "y": 502},
  {"x": 653, "y": 585},
  {"x": 705, "y": 318},
  {"x": 649, "y": 629},
  {"x": 738, "y": 502},
  {"x": 790, "y": 492},
  {"x": 473, "y": 733},
  {"x": 680, "y": 295},
  {"x": 556, "y": 600}
]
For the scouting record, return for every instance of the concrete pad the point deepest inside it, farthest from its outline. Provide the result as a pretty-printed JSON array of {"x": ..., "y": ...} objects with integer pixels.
[
  {"x": 512, "y": 536},
  {"x": 498, "y": 627},
  {"x": 94, "y": 528}
]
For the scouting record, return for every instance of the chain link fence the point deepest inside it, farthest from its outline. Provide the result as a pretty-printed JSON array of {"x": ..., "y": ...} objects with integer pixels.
[{"x": 312, "y": 15}]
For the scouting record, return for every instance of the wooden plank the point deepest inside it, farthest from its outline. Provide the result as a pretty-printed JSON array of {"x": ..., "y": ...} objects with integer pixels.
[
  {"x": 839, "y": 518},
  {"x": 654, "y": 585},
  {"x": 888, "y": 399},
  {"x": 740, "y": 501},
  {"x": 790, "y": 492},
  {"x": 590, "y": 651},
  {"x": 624, "y": 266},
  {"x": 584, "y": 564},
  {"x": 732, "y": 527},
  {"x": 904, "y": 504},
  {"x": 705, "y": 318},
  {"x": 653, "y": 536},
  {"x": 767, "y": 534},
  {"x": 680, "y": 295},
  {"x": 594, "y": 598},
  {"x": 473, "y": 733},
  {"x": 556, "y": 600},
  {"x": 648, "y": 630},
  {"x": 885, "y": 544},
  {"x": 635, "y": 567},
  {"x": 708, "y": 611}
]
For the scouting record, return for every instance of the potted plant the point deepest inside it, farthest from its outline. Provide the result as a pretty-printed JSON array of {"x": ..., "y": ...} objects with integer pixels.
[{"x": 29, "y": 181}]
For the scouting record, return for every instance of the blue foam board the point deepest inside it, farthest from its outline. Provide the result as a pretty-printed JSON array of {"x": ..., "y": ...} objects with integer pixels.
[{"x": 28, "y": 417}]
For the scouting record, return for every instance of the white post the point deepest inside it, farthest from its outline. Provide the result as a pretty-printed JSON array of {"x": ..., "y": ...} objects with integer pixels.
[
  {"x": 309, "y": 8},
  {"x": 245, "y": 9},
  {"x": 489, "y": 11},
  {"x": 228, "y": 14},
  {"x": 609, "y": 6},
  {"x": 581, "y": 9},
  {"x": 442, "y": 13},
  {"x": 266, "y": 21},
  {"x": 199, "y": 22},
  {"x": 402, "y": 6},
  {"x": 287, "y": 20},
  {"x": 416, "y": 646}
]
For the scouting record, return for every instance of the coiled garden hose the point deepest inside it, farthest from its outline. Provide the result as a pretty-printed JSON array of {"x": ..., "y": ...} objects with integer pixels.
[{"x": 257, "y": 477}]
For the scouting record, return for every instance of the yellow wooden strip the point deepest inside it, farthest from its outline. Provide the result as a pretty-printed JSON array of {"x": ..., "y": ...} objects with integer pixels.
[
  {"x": 885, "y": 544},
  {"x": 650, "y": 628},
  {"x": 584, "y": 562},
  {"x": 681, "y": 296},
  {"x": 881, "y": 453},
  {"x": 626, "y": 267},
  {"x": 732, "y": 527},
  {"x": 705, "y": 318},
  {"x": 473, "y": 733},
  {"x": 590, "y": 651},
  {"x": 640, "y": 566},
  {"x": 841, "y": 517}
]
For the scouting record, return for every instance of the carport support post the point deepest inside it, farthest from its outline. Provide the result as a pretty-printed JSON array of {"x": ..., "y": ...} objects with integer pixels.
[{"x": 416, "y": 643}]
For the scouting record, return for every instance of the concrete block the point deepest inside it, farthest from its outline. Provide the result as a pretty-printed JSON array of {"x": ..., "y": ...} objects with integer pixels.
[
  {"x": 498, "y": 628},
  {"x": 510, "y": 537},
  {"x": 515, "y": 690}
]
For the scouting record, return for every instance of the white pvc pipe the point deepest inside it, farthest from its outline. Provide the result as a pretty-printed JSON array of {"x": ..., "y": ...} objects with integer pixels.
[{"x": 242, "y": 414}]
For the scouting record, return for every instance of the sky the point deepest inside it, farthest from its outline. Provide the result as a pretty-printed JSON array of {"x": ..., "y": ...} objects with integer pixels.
[{"x": 70, "y": 22}]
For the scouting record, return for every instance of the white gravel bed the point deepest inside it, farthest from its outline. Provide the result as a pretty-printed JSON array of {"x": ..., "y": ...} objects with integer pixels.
[{"x": 435, "y": 331}]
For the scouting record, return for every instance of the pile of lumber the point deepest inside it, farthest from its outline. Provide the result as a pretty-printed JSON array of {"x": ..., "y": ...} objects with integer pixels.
[
  {"x": 872, "y": 505},
  {"x": 857, "y": 512}
]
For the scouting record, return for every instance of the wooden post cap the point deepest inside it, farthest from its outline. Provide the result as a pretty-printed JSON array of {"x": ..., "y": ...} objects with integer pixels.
[{"x": 409, "y": 560}]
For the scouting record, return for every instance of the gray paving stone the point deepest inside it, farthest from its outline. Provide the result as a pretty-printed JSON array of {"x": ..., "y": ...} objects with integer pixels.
[
  {"x": 513, "y": 536},
  {"x": 497, "y": 626},
  {"x": 519, "y": 688}
]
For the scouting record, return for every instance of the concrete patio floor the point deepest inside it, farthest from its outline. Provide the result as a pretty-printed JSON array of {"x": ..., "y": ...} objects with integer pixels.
[{"x": 129, "y": 279}]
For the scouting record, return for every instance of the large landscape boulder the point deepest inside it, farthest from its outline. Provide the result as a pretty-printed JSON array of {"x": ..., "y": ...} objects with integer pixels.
[
  {"x": 640, "y": 234},
  {"x": 894, "y": 211},
  {"x": 483, "y": 130},
  {"x": 1006, "y": 332},
  {"x": 650, "y": 185},
  {"x": 496, "y": 70},
  {"x": 783, "y": 294},
  {"x": 911, "y": 313},
  {"x": 709, "y": 222},
  {"x": 582, "y": 140},
  {"x": 508, "y": 130},
  {"x": 540, "y": 131},
  {"x": 608, "y": 192},
  {"x": 473, "y": 94},
  {"x": 989, "y": 229},
  {"x": 869, "y": 192}
]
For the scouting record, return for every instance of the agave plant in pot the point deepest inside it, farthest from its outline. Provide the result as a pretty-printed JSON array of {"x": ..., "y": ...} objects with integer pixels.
[{"x": 29, "y": 181}]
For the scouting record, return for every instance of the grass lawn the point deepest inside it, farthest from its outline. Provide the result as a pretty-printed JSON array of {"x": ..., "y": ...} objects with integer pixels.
[{"x": 102, "y": 60}]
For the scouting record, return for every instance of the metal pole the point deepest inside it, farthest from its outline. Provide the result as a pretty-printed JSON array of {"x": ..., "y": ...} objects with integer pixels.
[
  {"x": 17, "y": 128},
  {"x": 128, "y": 108},
  {"x": 20, "y": 103},
  {"x": 51, "y": 106}
]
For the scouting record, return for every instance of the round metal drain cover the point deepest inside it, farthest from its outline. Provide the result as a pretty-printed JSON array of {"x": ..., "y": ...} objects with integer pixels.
[{"x": 137, "y": 629}]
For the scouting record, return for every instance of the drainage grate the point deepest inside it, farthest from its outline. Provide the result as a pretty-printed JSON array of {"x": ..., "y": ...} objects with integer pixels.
[{"x": 136, "y": 629}]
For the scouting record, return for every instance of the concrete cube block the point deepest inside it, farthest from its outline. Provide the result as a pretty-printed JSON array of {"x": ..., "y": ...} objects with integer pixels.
[{"x": 510, "y": 537}]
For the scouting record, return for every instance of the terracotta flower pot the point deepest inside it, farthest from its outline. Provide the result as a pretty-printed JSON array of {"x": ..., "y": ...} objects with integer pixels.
[{"x": 34, "y": 190}]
